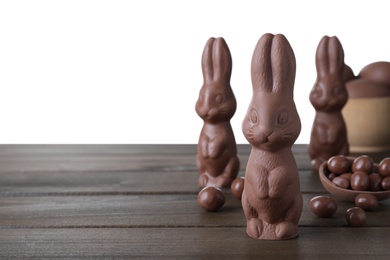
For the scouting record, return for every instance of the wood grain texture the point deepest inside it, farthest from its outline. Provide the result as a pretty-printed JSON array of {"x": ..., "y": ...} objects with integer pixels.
[
  {"x": 139, "y": 201},
  {"x": 151, "y": 211},
  {"x": 84, "y": 158},
  {"x": 184, "y": 243},
  {"x": 117, "y": 182}
]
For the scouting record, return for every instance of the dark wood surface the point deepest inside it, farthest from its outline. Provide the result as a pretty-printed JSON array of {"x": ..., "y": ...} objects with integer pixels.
[{"x": 139, "y": 201}]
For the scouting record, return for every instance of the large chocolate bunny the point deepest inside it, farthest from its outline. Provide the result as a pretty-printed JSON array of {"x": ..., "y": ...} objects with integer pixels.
[
  {"x": 217, "y": 159},
  {"x": 328, "y": 96},
  {"x": 271, "y": 199}
]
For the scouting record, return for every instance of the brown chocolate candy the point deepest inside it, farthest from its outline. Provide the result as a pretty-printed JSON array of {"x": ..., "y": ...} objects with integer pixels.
[
  {"x": 339, "y": 164},
  {"x": 356, "y": 217},
  {"x": 346, "y": 175},
  {"x": 384, "y": 167},
  {"x": 237, "y": 187},
  {"x": 386, "y": 183},
  {"x": 331, "y": 176},
  {"x": 365, "y": 88},
  {"x": 323, "y": 206},
  {"x": 375, "y": 182},
  {"x": 366, "y": 201},
  {"x": 211, "y": 198},
  {"x": 377, "y": 72},
  {"x": 363, "y": 163},
  {"x": 341, "y": 182},
  {"x": 360, "y": 181}
]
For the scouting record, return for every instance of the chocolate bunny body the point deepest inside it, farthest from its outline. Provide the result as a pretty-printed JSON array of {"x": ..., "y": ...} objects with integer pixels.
[
  {"x": 217, "y": 159},
  {"x": 328, "y": 96},
  {"x": 271, "y": 199}
]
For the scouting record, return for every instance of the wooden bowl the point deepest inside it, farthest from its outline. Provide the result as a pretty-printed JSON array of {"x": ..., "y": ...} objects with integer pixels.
[
  {"x": 346, "y": 194},
  {"x": 366, "y": 116}
]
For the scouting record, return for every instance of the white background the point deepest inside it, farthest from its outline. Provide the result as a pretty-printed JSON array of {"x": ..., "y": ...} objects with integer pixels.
[{"x": 130, "y": 71}]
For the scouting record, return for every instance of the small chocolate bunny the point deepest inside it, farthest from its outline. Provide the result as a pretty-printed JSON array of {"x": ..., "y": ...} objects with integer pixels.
[
  {"x": 271, "y": 200},
  {"x": 217, "y": 159},
  {"x": 328, "y": 97}
]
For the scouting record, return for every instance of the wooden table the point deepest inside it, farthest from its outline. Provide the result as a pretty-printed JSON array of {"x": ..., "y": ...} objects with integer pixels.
[{"x": 128, "y": 201}]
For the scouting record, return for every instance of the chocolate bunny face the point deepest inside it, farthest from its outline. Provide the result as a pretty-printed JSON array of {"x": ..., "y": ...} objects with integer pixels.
[
  {"x": 329, "y": 92},
  {"x": 216, "y": 102},
  {"x": 272, "y": 121}
]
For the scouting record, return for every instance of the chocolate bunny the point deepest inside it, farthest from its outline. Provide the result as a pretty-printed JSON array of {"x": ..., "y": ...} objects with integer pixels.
[
  {"x": 328, "y": 96},
  {"x": 217, "y": 159},
  {"x": 271, "y": 199}
]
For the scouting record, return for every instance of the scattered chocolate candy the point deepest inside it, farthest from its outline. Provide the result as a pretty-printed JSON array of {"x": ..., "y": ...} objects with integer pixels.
[
  {"x": 363, "y": 163},
  {"x": 323, "y": 206},
  {"x": 360, "y": 181},
  {"x": 339, "y": 164},
  {"x": 384, "y": 167},
  {"x": 356, "y": 217},
  {"x": 366, "y": 201},
  {"x": 211, "y": 198},
  {"x": 386, "y": 183},
  {"x": 237, "y": 187},
  {"x": 341, "y": 182}
]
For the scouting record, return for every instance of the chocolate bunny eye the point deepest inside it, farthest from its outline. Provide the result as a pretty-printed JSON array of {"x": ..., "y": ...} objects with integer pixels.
[
  {"x": 317, "y": 91},
  {"x": 254, "y": 116},
  {"x": 283, "y": 117}
]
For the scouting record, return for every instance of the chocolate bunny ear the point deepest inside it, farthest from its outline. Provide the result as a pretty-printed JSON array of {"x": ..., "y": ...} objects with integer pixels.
[
  {"x": 273, "y": 65},
  {"x": 216, "y": 61},
  {"x": 329, "y": 57}
]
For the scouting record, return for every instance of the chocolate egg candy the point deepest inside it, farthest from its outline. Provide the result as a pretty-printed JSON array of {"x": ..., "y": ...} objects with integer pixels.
[
  {"x": 386, "y": 183},
  {"x": 384, "y": 167},
  {"x": 366, "y": 201},
  {"x": 211, "y": 198},
  {"x": 323, "y": 206},
  {"x": 237, "y": 187},
  {"x": 375, "y": 182},
  {"x": 346, "y": 175},
  {"x": 363, "y": 163},
  {"x": 341, "y": 182},
  {"x": 339, "y": 164},
  {"x": 376, "y": 72},
  {"x": 356, "y": 217},
  {"x": 360, "y": 181},
  {"x": 331, "y": 176}
]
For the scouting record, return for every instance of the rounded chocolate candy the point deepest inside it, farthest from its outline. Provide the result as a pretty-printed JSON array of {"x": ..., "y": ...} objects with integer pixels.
[
  {"x": 341, "y": 182},
  {"x": 384, "y": 167},
  {"x": 386, "y": 183},
  {"x": 211, "y": 198},
  {"x": 331, "y": 176},
  {"x": 339, "y": 164},
  {"x": 360, "y": 181},
  {"x": 323, "y": 206},
  {"x": 366, "y": 201},
  {"x": 375, "y": 182},
  {"x": 356, "y": 217},
  {"x": 363, "y": 163},
  {"x": 237, "y": 187},
  {"x": 346, "y": 175}
]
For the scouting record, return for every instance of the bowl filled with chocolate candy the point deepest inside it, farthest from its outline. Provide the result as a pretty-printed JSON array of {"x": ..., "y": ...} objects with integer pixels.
[{"x": 346, "y": 177}]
